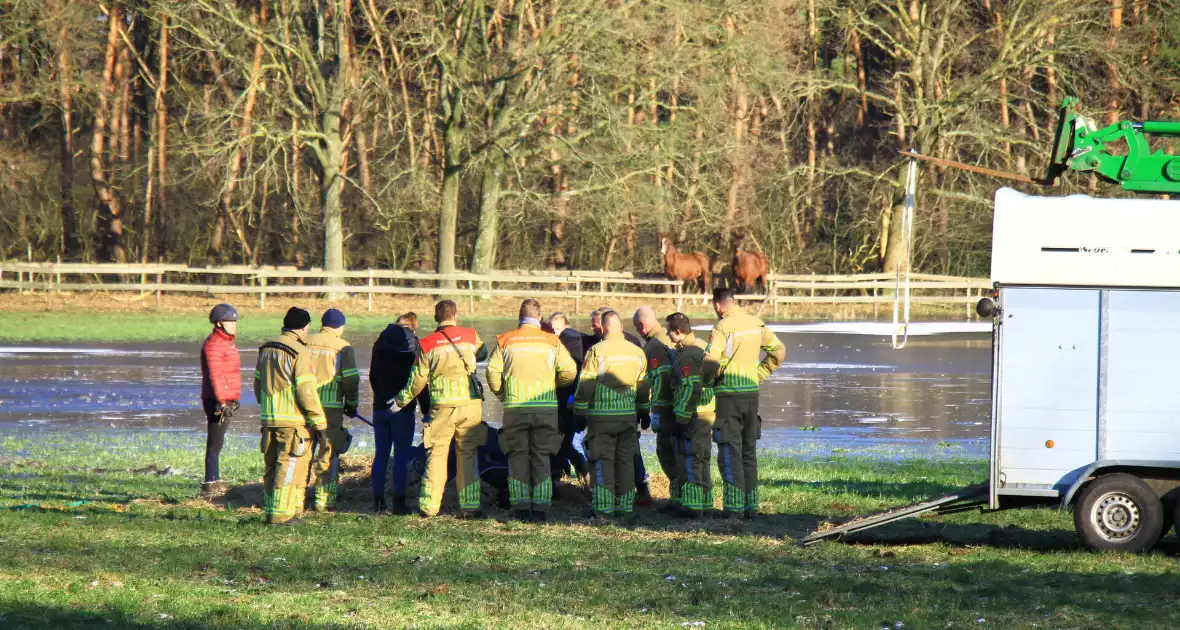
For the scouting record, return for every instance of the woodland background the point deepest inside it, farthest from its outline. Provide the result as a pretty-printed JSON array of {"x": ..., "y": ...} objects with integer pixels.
[{"x": 485, "y": 134}]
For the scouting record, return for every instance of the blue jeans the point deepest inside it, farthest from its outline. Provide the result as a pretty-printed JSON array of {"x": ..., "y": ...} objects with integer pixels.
[{"x": 396, "y": 431}]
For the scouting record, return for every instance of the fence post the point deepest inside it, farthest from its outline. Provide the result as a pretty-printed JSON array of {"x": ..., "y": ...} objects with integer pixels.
[
  {"x": 773, "y": 291},
  {"x": 577, "y": 296},
  {"x": 680, "y": 297},
  {"x": 471, "y": 296},
  {"x": 813, "y": 284},
  {"x": 159, "y": 282},
  {"x": 57, "y": 277},
  {"x": 262, "y": 291},
  {"x": 370, "y": 307}
]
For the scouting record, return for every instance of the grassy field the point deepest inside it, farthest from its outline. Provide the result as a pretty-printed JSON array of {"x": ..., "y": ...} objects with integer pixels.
[{"x": 94, "y": 536}]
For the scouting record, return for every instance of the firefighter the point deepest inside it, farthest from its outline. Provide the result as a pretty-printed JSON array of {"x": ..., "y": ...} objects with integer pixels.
[
  {"x": 695, "y": 408},
  {"x": 446, "y": 362},
  {"x": 643, "y": 489},
  {"x": 611, "y": 388},
  {"x": 221, "y": 387},
  {"x": 292, "y": 417},
  {"x": 338, "y": 383},
  {"x": 525, "y": 370},
  {"x": 657, "y": 348},
  {"x": 736, "y": 344}
]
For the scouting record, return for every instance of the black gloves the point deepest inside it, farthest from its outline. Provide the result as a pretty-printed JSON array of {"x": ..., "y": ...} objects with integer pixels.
[
  {"x": 226, "y": 410},
  {"x": 645, "y": 420}
]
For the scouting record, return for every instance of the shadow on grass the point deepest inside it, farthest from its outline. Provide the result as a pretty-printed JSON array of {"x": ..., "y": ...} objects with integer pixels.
[{"x": 913, "y": 491}]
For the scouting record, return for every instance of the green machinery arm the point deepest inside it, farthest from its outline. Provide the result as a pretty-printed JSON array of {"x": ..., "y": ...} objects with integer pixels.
[{"x": 1119, "y": 153}]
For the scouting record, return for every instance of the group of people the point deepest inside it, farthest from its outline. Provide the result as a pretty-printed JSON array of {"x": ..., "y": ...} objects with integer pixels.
[{"x": 556, "y": 385}]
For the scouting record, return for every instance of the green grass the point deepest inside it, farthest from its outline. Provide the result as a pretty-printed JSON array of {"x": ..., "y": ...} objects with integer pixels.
[
  {"x": 143, "y": 552},
  {"x": 154, "y": 326}
]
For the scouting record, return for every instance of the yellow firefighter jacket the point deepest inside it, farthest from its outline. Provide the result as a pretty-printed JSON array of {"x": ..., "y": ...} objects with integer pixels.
[
  {"x": 613, "y": 381},
  {"x": 659, "y": 368},
  {"x": 527, "y": 367},
  {"x": 285, "y": 387},
  {"x": 440, "y": 365},
  {"x": 689, "y": 377},
  {"x": 735, "y": 344},
  {"x": 334, "y": 362}
]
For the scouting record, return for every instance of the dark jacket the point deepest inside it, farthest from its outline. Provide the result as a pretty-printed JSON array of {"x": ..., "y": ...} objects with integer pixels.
[
  {"x": 394, "y": 354},
  {"x": 221, "y": 368},
  {"x": 572, "y": 340}
]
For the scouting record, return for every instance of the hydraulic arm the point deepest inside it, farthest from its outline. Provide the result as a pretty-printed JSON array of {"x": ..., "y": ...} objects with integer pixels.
[{"x": 1119, "y": 153}]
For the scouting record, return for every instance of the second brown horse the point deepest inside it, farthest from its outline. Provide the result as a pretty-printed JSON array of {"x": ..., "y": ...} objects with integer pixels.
[
  {"x": 686, "y": 267},
  {"x": 750, "y": 269}
]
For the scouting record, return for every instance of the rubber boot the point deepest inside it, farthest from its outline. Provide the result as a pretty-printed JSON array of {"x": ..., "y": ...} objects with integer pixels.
[
  {"x": 539, "y": 517},
  {"x": 378, "y": 505},
  {"x": 524, "y": 515},
  {"x": 750, "y": 515}
]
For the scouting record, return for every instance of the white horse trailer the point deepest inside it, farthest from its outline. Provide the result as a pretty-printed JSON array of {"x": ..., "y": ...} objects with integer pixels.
[{"x": 1085, "y": 403}]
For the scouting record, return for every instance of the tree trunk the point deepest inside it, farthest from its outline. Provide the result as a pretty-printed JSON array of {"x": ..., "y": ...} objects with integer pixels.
[
  {"x": 736, "y": 159},
  {"x": 69, "y": 215},
  {"x": 154, "y": 196},
  {"x": 161, "y": 216},
  {"x": 1116, "y": 27},
  {"x": 484, "y": 259},
  {"x": 107, "y": 203}
]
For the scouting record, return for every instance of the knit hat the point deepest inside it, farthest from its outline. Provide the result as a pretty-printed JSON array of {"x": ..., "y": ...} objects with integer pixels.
[
  {"x": 333, "y": 318},
  {"x": 296, "y": 318}
]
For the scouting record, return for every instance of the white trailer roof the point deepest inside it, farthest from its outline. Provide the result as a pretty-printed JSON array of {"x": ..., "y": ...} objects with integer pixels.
[{"x": 1084, "y": 241}]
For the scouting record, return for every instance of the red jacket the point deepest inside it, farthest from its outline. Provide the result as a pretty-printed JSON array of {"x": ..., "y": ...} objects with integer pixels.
[{"x": 221, "y": 368}]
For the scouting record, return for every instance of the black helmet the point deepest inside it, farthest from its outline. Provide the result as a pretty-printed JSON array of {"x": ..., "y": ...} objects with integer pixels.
[{"x": 223, "y": 313}]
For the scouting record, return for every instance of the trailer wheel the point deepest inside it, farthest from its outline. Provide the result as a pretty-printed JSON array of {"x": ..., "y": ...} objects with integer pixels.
[{"x": 1119, "y": 512}]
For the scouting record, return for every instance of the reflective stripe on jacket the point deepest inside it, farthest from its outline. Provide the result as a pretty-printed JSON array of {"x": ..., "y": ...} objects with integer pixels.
[{"x": 736, "y": 344}]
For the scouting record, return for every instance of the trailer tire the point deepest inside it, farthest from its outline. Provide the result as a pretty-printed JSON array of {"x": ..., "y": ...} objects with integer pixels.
[{"x": 1119, "y": 512}]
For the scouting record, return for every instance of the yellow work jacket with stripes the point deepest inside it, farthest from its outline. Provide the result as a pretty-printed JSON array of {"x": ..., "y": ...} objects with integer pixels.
[
  {"x": 285, "y": 386},
  {"x": 440, "y": 365},
  {"x": 659, "y": 368},
  {"x": 736, "y": 344},
  {"x": 527, "y": 367},
  {"x": 613, "y": 381},
  {"x": 690, "y": 374},
  {"x": 334, "y": 362}
]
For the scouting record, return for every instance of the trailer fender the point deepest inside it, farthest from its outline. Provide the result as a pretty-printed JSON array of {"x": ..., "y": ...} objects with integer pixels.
[{"x": 1132, "y": 466}]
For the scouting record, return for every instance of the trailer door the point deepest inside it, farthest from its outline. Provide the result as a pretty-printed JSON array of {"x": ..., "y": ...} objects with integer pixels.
[{"x": 1047, "y": 407}]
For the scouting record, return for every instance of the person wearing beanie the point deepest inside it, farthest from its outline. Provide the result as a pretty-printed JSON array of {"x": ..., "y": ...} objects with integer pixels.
[
  {"x": 338, "y": 384},
  {"x": 221, "y": 387},
  {"x": 292, "y": 417}
]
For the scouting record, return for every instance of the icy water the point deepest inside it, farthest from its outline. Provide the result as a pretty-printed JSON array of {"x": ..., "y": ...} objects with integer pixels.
[{"x": 842, "y": 389}]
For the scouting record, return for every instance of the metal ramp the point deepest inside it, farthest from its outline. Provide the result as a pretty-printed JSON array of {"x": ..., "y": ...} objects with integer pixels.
[{"x": 958, "y": 501}]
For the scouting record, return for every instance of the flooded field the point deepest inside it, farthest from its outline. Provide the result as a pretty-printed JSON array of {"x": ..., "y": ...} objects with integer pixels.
[{"x": 836, "y": 392}]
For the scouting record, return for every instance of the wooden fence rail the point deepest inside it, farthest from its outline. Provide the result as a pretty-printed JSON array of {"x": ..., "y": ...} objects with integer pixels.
[{"x": 577, "y": 285}]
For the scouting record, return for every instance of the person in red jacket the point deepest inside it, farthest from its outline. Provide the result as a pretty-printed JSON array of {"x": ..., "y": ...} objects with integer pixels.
[{"x": 221, "y": 387}]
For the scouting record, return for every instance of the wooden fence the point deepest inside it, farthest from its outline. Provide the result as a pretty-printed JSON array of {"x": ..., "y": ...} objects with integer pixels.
[{"x": 576, "y": 285}]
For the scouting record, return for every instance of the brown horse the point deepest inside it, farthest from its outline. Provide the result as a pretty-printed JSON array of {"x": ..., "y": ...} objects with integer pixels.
[
  {"x": 750, "y": 269},
  {"x": 687, "y": 267}
]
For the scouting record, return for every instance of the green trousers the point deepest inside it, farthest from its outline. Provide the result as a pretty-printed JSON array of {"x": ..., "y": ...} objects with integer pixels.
[
  {"x": 696, "y": 448},
  {"x": 286, "y": 452},
  {"x": 736, "y": 433},
  {"x": 610, "y": 445},
  {"x": 529, "y": 438},
  {"x": 668, "y": 453},
  {"x": 463, "y": 425},
  {"x": 325, "y": 469}
]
